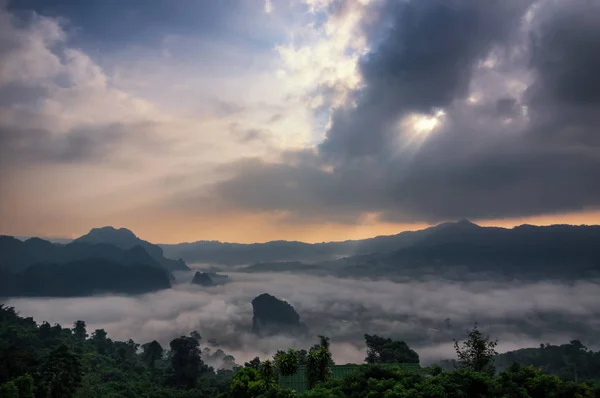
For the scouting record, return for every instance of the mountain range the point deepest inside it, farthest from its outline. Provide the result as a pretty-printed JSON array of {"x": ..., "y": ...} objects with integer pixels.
[
  {"x": 104, "y": 260},
  {"x": 226, "y": 253},
  {"x": 125, "y": 239},
  {"x": 461, "y": 245},
  {"x": 454, "y": 250}
]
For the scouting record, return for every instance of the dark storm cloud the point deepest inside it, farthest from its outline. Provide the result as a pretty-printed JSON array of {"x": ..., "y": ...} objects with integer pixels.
[
  {"x": 424, "y": 62},
  {"x": 508, "y": 153},
  {"x": 565, "y": 53}
]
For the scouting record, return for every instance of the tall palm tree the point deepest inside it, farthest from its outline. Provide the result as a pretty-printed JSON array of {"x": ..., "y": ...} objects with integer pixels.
[
  {"x": 287, "y": 362},
  {"x": 319, "y": 363},
  {"x": 267, "y": 375}
]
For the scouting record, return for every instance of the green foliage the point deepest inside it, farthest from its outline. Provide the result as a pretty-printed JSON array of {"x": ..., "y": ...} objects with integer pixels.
[
  {"x": 267, "y": 375},
  {"x": 185, "y": 361},
  {"x": 45, "y": 361},
  {"x": 433, "y": 370},
  {"x": 61, "y": 373},
  {"x": 287, "y": 362},
  {"x": 25, "y": 386},
  {"x": 318, "y": 363},
  {"x": 152, "y": 352},
  {"x": 79, "y": 331},
  {"x": 255, "y": 363},
  {"x": 571, "y": 361},
  {"x": 245, "y": 384},
  {"x": 9, "y": 390},
  {"x": 477, "y": 352},
  {"x": 382, "y": 350}
]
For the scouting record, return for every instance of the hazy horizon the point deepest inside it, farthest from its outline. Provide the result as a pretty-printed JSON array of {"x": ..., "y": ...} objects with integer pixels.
[{"x": 509, "y": 225}]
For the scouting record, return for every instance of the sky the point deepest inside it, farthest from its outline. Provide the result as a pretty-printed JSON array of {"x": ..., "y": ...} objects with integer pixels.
[{"x": 254, "y": 120}]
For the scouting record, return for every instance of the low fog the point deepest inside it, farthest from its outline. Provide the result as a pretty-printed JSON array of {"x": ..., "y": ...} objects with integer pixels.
[{"x": 427, "y": 314}]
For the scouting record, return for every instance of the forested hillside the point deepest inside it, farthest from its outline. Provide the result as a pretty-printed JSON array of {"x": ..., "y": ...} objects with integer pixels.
[{"x": 45, "y": 361}]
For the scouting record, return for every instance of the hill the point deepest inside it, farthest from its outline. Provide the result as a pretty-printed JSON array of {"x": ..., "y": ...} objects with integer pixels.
[
  {"x": 451, "y": 249},
  {"x": 39, "y": 268},
  {"x": 557, "y": 250},
  {"x": 84, "y": 278},
  {"x": 226, "y": 253},
  {"x": 272, "y": 316},
  {"x": 16, "y": 256},
  {"x": 125, "y": 239}
]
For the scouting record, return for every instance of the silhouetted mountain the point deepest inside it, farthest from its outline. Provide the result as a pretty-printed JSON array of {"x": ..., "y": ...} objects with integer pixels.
[
  {"x": 202, "y": 279},
  {"x": 125, "y": 239},
  {"x": 17, "y": 256},
  {"x": 271, "y": 316},
  {"x": 39, "y": 268},
  {"x": 61, "y": 241},
  {"x": 558, "y": 250},
  {"x": 451, "y": 248},
  {"x": 84, "y": 278},
  {"x": 558, "y": 244},
  {"x": 281, "y": 251}
]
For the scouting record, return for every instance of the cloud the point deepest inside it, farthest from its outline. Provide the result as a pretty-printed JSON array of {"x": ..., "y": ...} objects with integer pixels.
[
  {"x": 322, "y": 112},
  {"x": 518, "y": 314},
  {"x": 463, "y": 109},
  {"x": 127, "y": 128}
]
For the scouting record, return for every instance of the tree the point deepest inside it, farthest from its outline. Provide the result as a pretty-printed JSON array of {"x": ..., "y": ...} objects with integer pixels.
[
  {"x": 186, "y": 361},
  {"x": 153, "y": 351},
  {"x": 318, "y": 363},
  {"x": 79, "y": 330},
  {"x": 25, "y": 386},
  {"x": 61, "y": 373},
  {"x": 528, "y": 381},
  {"x": 245, "y": 383},
  {"x": 382, "y": 350},
  {"x": 477, "y": 352},
  {"x": 267, "y": 376},
  {"x": 302, "y": 354},
  {"x": 287, "y": 362},
  {"x": 433, "y": 370},
  {"x": 9, "y": 390},
  {"x": 574, "y": 354},
  {"x": 100, "y": 341},
  {"x": 255, "y": 363}
]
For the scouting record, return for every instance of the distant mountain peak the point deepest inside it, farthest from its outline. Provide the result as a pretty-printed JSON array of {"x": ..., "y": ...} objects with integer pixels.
[
  {"x": 465, "y": 222},
  {"x": 122, "y": 232},
  {"x": 126, "y": 239}
]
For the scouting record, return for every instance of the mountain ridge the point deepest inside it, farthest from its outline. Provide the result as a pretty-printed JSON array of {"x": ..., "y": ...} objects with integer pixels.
[
  {"x": 126, "y": 239},
  {"x": 232, "y": 254}
]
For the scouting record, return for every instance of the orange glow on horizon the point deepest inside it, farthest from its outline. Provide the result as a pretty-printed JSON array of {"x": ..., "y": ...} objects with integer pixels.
[{"x": 253, "y": 228}]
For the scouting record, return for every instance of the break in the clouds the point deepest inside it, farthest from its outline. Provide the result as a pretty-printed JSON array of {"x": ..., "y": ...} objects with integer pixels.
[
  {"x": 313, "y": 111},
  {"x": 465, "y": 109},
  {"x": 427, "y": 314}
]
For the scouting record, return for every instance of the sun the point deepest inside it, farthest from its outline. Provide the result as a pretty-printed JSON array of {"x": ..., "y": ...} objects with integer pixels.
[{"x": 419, "y": 123}]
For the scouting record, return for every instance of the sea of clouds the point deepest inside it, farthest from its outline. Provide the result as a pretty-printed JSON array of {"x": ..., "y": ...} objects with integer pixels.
[{"x": 427, "y": 314}]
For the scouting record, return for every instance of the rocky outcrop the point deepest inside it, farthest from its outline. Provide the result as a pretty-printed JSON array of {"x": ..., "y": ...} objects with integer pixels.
[
  {"x": 273, "y": 316},
  {"x": 202, "y": 279}
]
